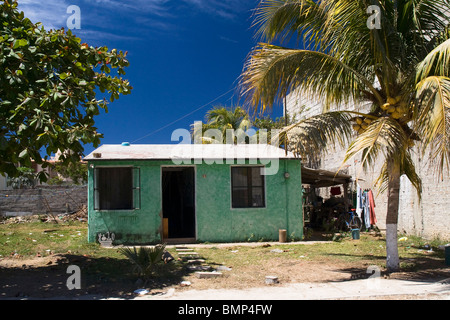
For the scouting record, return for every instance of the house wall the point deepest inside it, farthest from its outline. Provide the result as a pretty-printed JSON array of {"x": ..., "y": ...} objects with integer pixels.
[
  {"x": 216, "y": 221},
  {"x": 3, "y": 183}
]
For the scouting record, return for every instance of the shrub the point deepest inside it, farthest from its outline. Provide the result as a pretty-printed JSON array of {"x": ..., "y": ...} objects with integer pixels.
[{"x": 144, "y": 259}]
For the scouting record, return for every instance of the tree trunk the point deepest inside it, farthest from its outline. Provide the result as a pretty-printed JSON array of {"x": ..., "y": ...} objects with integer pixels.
[{"x": 392, "y": 257}]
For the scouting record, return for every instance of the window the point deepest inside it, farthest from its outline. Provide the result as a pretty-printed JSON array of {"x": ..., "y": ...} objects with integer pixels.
[
  {"x": 247, "y": 187},
  {"x": 116, "y": 188}
]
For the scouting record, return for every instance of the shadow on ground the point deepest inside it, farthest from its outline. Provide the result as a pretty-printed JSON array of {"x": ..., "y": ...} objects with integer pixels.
[
  {"x": 418, "y": 268},
  {"x": 100, "y": 278}
]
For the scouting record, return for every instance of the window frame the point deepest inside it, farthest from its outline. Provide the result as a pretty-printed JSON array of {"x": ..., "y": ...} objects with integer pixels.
[
  {"x": 135, "y": 188},
  {"x": 249, "y": 188}
]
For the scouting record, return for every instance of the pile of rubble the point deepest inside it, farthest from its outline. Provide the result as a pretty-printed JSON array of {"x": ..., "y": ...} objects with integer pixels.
[{"x": 80, "y": 215}]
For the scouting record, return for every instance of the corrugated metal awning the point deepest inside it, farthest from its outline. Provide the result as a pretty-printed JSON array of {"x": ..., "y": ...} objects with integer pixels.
[{"x": 323, "y": 178}]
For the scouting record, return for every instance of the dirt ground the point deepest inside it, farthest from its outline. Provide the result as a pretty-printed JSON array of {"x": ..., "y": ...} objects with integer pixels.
[{"x": 46, "y": 277}]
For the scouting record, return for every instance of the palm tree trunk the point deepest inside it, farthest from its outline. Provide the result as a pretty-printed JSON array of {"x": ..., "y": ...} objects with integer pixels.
[{"x": 392, "y": 257}]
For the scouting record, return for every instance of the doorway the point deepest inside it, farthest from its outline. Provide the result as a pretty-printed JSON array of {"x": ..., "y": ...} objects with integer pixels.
[{"x": 178, "y": 202}]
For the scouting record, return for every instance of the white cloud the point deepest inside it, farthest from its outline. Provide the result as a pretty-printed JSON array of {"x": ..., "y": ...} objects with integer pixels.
[
  {"x": 52, "y": 13},
  {"x": 227, "y": 9},
  {"x": 119, "y": 18}
]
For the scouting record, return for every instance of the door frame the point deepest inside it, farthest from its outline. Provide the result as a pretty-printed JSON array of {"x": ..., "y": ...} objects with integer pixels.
[{"x": 179, "y": 240}]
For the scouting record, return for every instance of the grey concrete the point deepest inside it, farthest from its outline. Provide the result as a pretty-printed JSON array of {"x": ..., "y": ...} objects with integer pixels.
[{"x": 356, "y": 289}]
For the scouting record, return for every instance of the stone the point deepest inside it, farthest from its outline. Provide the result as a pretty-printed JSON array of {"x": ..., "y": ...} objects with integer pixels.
[
  {"x": 272, "y": 280},
  {"x": 199, "y": 268},
  {"x": 187, "y": 253},
  {"x": 167, "y": 257},
  {"x": 223, "y": 268},
  {"x": 141, "y": 292},
  {"x": 196, "y": 261},
  {"x": 185, "y": 283},
  {"x": 277, "y": 251}
]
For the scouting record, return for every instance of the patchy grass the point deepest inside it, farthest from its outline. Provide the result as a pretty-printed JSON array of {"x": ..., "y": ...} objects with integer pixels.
[
  {"x": 34, "y": 258},
  {"x": 37, "y": 238}
]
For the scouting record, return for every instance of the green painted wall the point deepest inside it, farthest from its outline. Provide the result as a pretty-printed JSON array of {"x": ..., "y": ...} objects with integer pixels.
[{"x": 216, "y": 220}]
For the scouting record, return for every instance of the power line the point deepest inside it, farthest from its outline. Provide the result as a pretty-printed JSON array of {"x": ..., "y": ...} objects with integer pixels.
[{"x": 183, "y": 117}]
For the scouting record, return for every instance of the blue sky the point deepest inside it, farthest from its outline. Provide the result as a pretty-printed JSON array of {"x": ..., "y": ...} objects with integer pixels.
[{"x": 184, "y": 54}]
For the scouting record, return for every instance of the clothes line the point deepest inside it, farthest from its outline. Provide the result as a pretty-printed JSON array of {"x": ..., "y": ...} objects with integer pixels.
[{"x": 365, "y": 206}]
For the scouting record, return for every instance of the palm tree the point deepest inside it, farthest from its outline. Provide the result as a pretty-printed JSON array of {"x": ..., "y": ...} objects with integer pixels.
[
  {"x": 399, "y": 69},
  {"x": 222, "y": 119}
]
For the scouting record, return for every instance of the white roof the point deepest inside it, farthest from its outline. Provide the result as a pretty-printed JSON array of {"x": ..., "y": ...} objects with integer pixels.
[{"x": 188, "y": 151}]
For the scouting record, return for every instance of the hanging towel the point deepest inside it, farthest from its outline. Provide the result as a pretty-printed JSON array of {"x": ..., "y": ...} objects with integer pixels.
[
  {"x": 335, "y": 191},
  {"x": 366, "y": 209},
  {"x": 358, "y": 200},
  {"x": 373, "y": 217}
]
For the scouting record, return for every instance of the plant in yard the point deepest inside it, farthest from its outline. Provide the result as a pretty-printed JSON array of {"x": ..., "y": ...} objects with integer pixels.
[
  {"x": 144, "y": 259},
  {"x": 400, "y": 71}
]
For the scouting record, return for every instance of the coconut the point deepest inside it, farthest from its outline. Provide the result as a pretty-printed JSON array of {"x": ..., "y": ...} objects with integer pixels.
[
  {"x": 391, "y": 100},
  {"x": 385, "y": 106},
  {"x": 391, "y": 109},
  {"x": 396, "y": 115}
]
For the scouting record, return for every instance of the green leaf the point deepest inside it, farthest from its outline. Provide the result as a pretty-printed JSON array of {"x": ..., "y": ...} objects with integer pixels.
[
  {"x": 23, "y": 154},
  {"x": 63, "y": 76},
  {"x": 20, "y": 43}
]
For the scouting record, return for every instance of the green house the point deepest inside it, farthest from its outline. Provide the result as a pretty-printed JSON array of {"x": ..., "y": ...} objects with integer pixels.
[{"x": 146, "y": 194}]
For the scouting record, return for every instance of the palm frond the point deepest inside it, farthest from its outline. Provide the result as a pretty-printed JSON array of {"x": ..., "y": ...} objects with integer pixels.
[
  {"x": 405, "y": 166},
  {"x": 436, "y": 63},
  {"x": 433, "y": 119},
  {"x": 280, "y": 19},
  {"x": 272, "y": 71},
  {"x": 383, "y": 135},
  {"x": 319, "y": 133},
  {"x": 144, "y": 259}
]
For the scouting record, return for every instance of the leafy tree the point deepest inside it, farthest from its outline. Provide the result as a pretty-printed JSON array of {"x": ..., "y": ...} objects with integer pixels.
[
  {"x": 75, "y": 171},
  {"x": 401, "y": 70},
  {"x": 49, "y": 82},
  {"x": 25, "y": 179}
]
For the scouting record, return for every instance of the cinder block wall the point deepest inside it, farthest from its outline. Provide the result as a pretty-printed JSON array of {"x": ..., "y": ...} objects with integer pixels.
[
  {"x": 429, "y": 218},
  {"x": 42, "y": 200}
]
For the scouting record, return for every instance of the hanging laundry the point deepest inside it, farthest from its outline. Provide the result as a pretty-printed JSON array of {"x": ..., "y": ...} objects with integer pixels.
[
  {"x": 335, "y": 191},
  {"x": 373, "y": 217},
  {"x": 359, "y": 201},
  {"x": 366, "y": 209}
]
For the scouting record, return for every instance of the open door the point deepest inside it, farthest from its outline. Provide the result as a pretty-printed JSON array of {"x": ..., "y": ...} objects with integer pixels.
[{"x": 178, "y": 197}]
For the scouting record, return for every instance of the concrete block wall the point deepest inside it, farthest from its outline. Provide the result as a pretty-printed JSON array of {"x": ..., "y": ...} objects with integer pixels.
[
  {"x": 429, "y": 218},
  {"x": 42, "y": 200}
]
